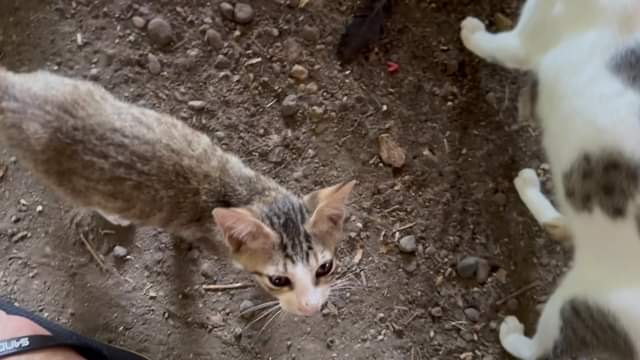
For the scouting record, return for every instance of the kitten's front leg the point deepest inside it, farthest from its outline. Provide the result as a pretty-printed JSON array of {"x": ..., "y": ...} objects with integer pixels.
[
  {"x": 528, "y": 186},
  {"x": 503, "y": 48}
]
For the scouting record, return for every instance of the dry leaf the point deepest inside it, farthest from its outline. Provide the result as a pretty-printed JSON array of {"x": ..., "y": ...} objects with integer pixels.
[{"x": 390, "y": 152}]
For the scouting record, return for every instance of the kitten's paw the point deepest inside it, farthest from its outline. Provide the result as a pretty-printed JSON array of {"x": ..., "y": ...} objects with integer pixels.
[
  {"x": 527, "y": 179},
  {"x": 469, "y": 27},
  {"x": 510, "y": 326}
]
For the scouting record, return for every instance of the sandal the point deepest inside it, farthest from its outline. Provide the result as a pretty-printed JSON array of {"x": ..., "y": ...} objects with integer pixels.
[{"x": 88, "y": 348}]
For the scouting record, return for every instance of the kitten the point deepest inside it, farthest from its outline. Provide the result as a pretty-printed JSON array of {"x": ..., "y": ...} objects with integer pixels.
[
  {"x": 586, "y": 57},
  {"x": 136, "y": 165}
]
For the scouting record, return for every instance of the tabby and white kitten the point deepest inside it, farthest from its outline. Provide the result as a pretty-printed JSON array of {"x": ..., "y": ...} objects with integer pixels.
[
  {"x": 586, "y": 57},
  {"x": 136, "y": 165}
]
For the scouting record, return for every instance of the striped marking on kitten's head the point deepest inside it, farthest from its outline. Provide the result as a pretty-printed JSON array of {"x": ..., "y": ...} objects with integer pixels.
[{"x": 289, "y": 244}]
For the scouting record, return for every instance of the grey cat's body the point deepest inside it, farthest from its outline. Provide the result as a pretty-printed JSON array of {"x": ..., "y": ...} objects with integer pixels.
[{"x": 136, "y": 165}]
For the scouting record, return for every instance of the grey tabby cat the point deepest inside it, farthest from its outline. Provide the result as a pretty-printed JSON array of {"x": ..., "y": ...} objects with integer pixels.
[{"x": 135, "y": 165}]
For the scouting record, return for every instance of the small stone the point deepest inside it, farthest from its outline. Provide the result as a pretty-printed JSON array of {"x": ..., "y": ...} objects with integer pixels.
[
  {"x": 331, "y": 343},
  {"x": 472, "y": 314},
  {"x": 208, "y": 270},
  {"x": 390, "y": 152},
  {"x": 94, "y": 74},
  {"x": 503, "y": 23},
  {"x": 467, "y": 267},
  {"x": 243, "y": 13},
  {"x": 39, "y": 209},
  {"x": 196, "y": 105},
  {"x": 244, "y": 306},
  {"x": 411, "y": 266},
  {"x": 483, "y": 271},
  {"x": 436, "y": 312},
  {"x": 160, "y": 31},
  {"x": 408, "y": 244},
  {"x": 154, "y": 64},
  {"x": 214, "y": 39},
  {"x": 227, "y": 10},
  {"x": 310, "y": 33},
  {"x": 120, "y": 252},
  {"x": 512, "y": 305},
  {"x": 501, "y": 275},
  {"x": 317, "y": 112},
  {"x": 276, "y": 155},
  {"x": 289, "y": 106},
  {"x": 292, "y": 49},
  {"x": 222, "y": 63},
  {"x": 152, "y": 295},
  {"x": 299, "y": 72},
  {"x": 139, "y": 22},
  {"x": 20, "y": 236}
]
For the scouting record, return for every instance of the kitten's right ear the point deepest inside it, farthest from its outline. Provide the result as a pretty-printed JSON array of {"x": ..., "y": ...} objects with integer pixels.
[{"x": 242, "y": 230}]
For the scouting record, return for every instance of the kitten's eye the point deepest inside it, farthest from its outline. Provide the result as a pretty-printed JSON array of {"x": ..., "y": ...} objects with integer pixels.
[
  {"x": 324, "y": 269},
  {"x": 279, "y": 281}
]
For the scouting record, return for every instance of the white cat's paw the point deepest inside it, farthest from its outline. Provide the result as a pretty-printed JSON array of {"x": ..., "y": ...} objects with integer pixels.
[
  {"x": 510, "y": 326},
  {"x": 527, "y": 179},
  {"x": 469, "y": 27}
]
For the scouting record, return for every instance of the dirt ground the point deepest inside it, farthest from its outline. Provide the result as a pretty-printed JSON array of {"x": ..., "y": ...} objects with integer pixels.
[{"x": 456, "y": 117}]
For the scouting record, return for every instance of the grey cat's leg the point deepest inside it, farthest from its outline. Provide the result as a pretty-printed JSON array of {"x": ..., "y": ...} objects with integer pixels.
[
  {"x": 114, "y": 219},
  {"x": 528, "y": 186}
]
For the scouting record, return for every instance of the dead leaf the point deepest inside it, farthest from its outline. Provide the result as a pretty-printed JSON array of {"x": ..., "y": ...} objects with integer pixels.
[
  {"x": 390, "y": 152},
  {"x": 366, "y": 27}
]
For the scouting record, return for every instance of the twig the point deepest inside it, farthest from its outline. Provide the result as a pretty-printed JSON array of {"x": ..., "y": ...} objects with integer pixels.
[
  {"x": 223, "y": 287},
  {"x": 405, "y": 227},
  {"x": 518, "y": 292},
  {"x": 392, "y": 208},
  {"x": 92, "y": 251}
]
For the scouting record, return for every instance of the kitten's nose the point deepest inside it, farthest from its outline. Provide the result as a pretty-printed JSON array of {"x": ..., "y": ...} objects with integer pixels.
[{"x": 308, "y": 309}]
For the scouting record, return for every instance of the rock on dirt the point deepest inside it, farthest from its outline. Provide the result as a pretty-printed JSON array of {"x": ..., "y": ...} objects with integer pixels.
[
  {"x": 471, "y": 266},
  {"x": 214, "y": 39},
  {"x": 243, "y": 13},
  {"x": 244, "y": 306},
  {"x": 390, "y": 152},
  {"x": 472, "y": 314},
  {"x": 310, "y": 33},
  {"x": 226, "y": 10},
  {"x": 208, "y": 270},
  {"x": 408, "y": 244},
  {"x": 299, "y": 72},
  {"x": 160, "y": 31},
  {"x": 289, "y": 106},
  {"x": 196, "y": 105},
  {"x": 139, "y": 22},
  {"x": 154, "y": 64},
  {"x": 120, "y": 252},
  {"x": 222, "y": 63}
]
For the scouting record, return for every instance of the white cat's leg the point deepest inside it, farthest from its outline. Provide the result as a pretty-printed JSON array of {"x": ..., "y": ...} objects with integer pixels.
[
  {"x": 514, "y": 341},
  {"x": 114, "y": 219},
  {"x": 510, "y": 48},
  {"x": 528, "y": 186}
]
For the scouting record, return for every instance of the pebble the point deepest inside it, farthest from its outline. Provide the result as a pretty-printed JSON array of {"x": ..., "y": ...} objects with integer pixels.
[
  {"x": 500, "y": 199},
  {"x": 436, "y": 312},
  {"x": 513, "y": 305},
  {"x": 20, "y": 236},
  {"x": 483, "y": 271},
  {"x": 94, "y": 74},
  {"x": 411, "y": 266},
  {"x": 160, "y": 31},
  {"x": 222, "y": 63},
  {"x": 276, "y": 155},
  {"x": 299, "y": 72},
  {"x": 196, "y": 105},
  {"x": 292, "y": 49},
  {"x": 39, "y": 209},
  {"x": 472, "y": 314},
  {"x": 139, "y": 22},
  {"x": 227, "y": 10},
  {"x": 243, "y": 13},
  {"x": 154, "y": 64},
  {"x": 390, "y": 152},
  {"x": 120, "y": 252},
  {"x": 317, "y": 112},
  {"x": 289, "y": 106},
  {"x": 331, "y": 343},
  {"x": 214, "y": 39},
  {"x": 310, "y": 33},
  {"x": 208, "y": 270},
  {"x": 467, "y": 267},
  {"x": 408, "y": 244}
]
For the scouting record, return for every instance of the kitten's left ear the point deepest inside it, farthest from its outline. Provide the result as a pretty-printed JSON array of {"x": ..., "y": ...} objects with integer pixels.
[{"x": 329, "y": 210}]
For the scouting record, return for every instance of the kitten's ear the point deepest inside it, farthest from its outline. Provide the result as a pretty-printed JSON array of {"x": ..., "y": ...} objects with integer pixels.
[
  {"x": 242, "y": 230},
  {"x": 329, "y": 210}
]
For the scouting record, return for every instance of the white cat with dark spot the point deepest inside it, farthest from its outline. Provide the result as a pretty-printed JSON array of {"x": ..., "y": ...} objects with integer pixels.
[{"x": 586, "y": 57}]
